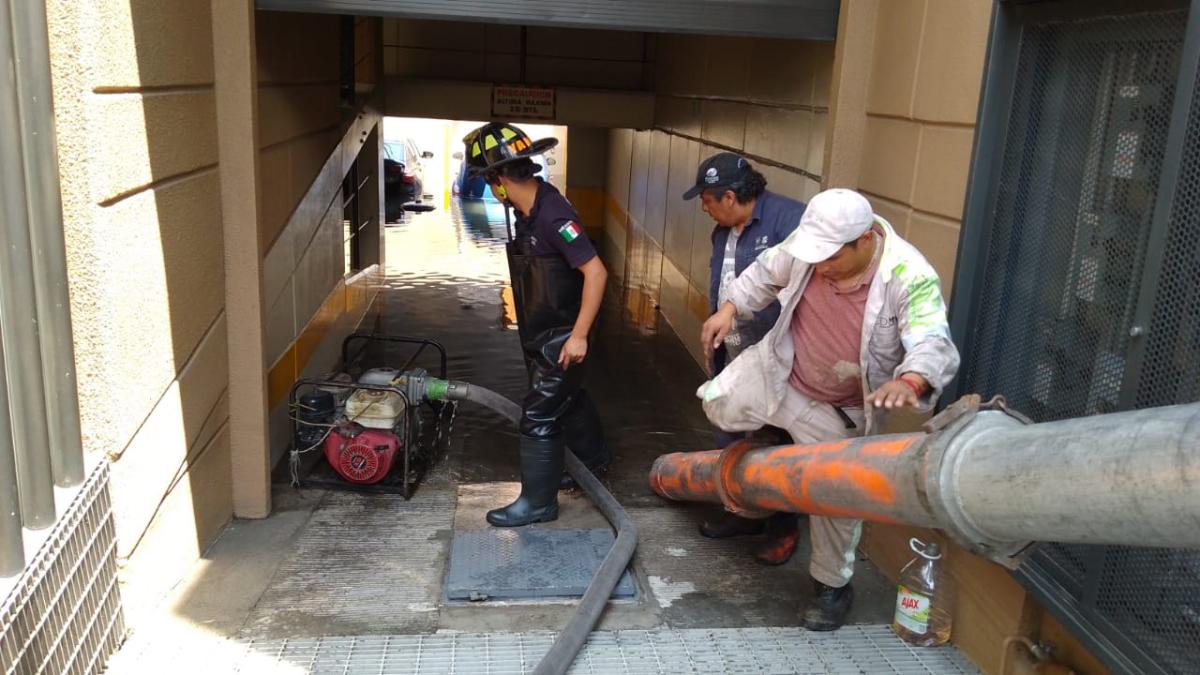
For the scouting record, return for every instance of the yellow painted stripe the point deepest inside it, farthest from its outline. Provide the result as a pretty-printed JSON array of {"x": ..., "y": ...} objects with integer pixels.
[{"x": 342, "y": 300}]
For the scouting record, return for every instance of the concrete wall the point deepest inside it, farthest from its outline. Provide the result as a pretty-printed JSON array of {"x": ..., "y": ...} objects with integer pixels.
[
  {"x": 767, "y": 99},
  {"x": 138, "y": 149},
  {"x": 446, "y": 69},
  {"x": 135, "y": 116},
  {"x": 452, "y": 50},
  {"x": 463, "y": 100}
]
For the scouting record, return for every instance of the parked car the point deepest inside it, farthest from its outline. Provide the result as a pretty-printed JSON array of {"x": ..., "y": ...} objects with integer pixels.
[
  {"x": 403, "y": 176},
  {"x": 476, "y": 188}
]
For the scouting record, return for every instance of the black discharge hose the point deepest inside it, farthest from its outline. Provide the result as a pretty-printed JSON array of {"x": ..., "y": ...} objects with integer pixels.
[{"x": 572, "y": 638}]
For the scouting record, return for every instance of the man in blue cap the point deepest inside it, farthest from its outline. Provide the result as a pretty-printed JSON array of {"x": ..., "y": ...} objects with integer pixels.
[{"x": 749, "y": 220}]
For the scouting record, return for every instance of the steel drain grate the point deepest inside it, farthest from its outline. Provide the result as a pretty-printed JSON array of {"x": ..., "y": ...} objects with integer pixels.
[
  {"x": 64, "y": 613},
  {"x": 528, "y": 563},
  {"x": 854, "y": 649}
]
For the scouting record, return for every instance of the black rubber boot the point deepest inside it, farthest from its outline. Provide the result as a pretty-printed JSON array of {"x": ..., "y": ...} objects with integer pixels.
[
  {"x": 828, "y": 608},
  {"x": 541, "y": 467},
  {"x": 731, "y": 525},
  {"x": 584, "y": 436}
]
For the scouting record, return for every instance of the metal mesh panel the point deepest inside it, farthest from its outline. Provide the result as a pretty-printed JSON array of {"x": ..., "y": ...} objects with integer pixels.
[
  {"x": 64, "y": 613},
  {"x": 1171, "y": 366},
  {"x": 1070, "y": 248},
  {"x": 1153, "y": 596},
  {"x": 1076, "y": 194}
]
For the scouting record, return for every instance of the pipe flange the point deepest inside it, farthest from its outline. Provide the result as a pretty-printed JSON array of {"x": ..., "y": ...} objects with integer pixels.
[
  {"x": 941, "y": 468},
  {"x": 730, "y": 457}
]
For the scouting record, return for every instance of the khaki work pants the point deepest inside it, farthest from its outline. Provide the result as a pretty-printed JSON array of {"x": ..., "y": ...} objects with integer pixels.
[{"x": 834, "y": 540}]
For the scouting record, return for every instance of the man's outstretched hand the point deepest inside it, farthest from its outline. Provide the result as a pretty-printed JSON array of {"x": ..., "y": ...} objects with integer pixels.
[
  {"x": 716, "y": 327},
  {"x": 901, "y": 392}
]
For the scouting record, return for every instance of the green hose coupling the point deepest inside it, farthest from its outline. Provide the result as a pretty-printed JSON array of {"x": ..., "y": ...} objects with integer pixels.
[{"x": 435, "y": 389}]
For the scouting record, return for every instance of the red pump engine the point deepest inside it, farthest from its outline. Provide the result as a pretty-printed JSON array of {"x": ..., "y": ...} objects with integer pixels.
[{"x": 361, "y": 455}]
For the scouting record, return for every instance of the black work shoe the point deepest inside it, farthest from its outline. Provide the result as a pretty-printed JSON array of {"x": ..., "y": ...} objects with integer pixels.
[
  {"x": 828, "y": 609},
  {"x": 541, "y": 467},
  {"x": 731, "y": 525}
]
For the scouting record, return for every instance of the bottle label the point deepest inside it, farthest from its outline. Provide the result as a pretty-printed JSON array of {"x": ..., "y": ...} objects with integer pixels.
[{"x": 912, "y": 610}]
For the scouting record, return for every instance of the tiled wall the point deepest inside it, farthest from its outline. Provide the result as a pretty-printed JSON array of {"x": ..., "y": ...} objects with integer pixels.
[
  {"x": 921, "y": 104},
  {"x": 298, "y": 109},
  {"x": 311, "y": 302},
  {"x": 493, "y": 53},
  {"x": 586, "y": 175},
  {"x": 310, "y": 305},
  {"x": 766, "y": 99}
]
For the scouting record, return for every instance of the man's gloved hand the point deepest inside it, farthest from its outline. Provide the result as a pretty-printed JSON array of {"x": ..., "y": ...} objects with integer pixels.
[
  {"x": 905, "y": 390},
  {"x": 714, "y": 330}
]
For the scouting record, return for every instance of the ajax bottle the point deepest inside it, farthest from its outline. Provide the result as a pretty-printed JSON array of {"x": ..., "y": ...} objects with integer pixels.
[{"x": 924, "y": 598}]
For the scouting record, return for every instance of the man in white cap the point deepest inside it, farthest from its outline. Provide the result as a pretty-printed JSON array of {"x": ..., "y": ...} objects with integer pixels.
[{"x": 862, "y": 327}]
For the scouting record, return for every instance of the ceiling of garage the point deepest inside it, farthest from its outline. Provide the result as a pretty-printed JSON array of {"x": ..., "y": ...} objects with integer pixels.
[{"x": 795, "y": 19}]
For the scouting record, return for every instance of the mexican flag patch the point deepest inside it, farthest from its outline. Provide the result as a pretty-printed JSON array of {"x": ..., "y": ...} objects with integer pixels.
[{"x": 570, "y": 231}]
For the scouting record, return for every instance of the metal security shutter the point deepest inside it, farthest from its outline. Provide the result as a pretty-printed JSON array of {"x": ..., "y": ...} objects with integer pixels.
[
  {"x": 1080, "y": 275},
  {"x": 795, "y": 19}
]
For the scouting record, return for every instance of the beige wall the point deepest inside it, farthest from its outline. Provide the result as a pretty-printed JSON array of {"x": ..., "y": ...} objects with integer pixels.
[
  {"x": 921, "y": 102},
  {"x": 587, "y": 174},
  {"x": 298, "y": 109},
  {"x": 137, "y": 133},
  {"x": 767, "y": 99},
  {"x": 308, "y": 144},
  {"x": 135, "y": 115},
  {"x": 446, "y": 69},
  {"x": 457, "y": 50}
]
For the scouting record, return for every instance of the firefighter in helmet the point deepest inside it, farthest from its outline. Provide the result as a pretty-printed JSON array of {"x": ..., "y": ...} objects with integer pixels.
[{"x": 558, "y": 284}]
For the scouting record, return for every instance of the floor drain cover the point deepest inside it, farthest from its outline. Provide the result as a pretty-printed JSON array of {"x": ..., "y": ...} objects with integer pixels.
[{"x": 528, "y": 563}]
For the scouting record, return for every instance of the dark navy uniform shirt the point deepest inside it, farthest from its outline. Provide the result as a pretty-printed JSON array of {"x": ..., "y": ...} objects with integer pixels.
[
  {"x": 773, "y": 219},
  {"x": 552, "y": 227}
]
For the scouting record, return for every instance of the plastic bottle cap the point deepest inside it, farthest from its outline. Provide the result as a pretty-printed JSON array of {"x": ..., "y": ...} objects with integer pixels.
[{"x": 930, "y": 551}]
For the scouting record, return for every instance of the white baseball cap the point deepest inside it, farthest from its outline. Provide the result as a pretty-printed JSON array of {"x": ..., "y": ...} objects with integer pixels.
[{"x": 832, "y": 219}]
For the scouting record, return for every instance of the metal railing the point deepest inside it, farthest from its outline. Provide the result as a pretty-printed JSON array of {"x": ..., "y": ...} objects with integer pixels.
[{"x": 40, "y": 444}]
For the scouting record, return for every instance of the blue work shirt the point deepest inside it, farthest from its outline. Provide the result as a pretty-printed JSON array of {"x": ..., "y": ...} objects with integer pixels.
[
  {"x": 552, "y": 227},
  {"x": 773, "y": 219}
]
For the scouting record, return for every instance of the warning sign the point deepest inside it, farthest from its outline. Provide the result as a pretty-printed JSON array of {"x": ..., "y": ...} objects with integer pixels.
[{"x": 531, "y": 103}]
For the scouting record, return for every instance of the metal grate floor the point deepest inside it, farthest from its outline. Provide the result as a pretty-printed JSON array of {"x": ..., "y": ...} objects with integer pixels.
[{"x": 854, "y": 649}]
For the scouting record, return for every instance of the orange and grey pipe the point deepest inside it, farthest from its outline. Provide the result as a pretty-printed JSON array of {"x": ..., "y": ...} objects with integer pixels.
[{"x": 988, "y": 477}]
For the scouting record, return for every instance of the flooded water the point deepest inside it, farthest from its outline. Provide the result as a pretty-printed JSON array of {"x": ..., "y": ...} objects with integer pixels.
[{"x": 447, "y": 280}]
